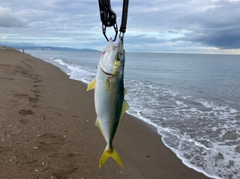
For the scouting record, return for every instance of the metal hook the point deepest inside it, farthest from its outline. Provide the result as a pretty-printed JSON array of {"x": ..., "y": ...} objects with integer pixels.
[
  {"x": 108, "y": 17},
  {"x": 104, "y": 30}
]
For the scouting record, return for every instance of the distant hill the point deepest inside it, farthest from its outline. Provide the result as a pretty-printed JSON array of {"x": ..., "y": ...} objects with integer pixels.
[
  {"x": 30, "y": 46},
  {"x": 57, "y": 48}
]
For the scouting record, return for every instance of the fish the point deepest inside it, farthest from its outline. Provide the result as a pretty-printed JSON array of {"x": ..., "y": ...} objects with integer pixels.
[{"x": 109, "y": 94}]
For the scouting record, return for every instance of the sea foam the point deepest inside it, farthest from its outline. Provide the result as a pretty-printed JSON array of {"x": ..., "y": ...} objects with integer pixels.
[{"x": 204, "y": 134}]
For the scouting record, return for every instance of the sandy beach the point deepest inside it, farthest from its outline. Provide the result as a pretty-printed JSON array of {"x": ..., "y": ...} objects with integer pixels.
[{"x": 47, "y": 130}]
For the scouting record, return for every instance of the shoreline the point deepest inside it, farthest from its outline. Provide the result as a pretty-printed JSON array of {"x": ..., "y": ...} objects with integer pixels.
[{"x": 48, "y": 129}]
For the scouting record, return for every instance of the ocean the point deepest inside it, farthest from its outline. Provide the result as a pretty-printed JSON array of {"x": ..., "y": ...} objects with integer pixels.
[{"x": 192, "y": 99}]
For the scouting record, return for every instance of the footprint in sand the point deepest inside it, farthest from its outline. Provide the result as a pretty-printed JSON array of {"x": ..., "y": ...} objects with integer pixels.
[
  {"x": 36, "y": 81},
  {"x": 35, "y": 106},
  {"x": 35, "y": 91},
  {"x": 50, "y": 142},
  {"x": 33, "y": 99},
  {"x": 20, "y": 95},
  {"x": 26, "y": 112},
  {"x": 3, "y": 78},
  {"x": 35, "y": 86},
  {"x": 24, "y": 121}
]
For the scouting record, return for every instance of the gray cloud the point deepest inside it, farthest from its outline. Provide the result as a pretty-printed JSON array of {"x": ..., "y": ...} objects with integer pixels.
[
  {"x": 223, "y": 39},
  {"x": 152, "y": 25},
  {"x": 218, "y": 26},
  {"x": 9, "y": 19}
]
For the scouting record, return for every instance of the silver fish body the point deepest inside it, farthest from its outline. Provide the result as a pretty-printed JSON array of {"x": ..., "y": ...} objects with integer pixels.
[{"x": 109, "y": 96}]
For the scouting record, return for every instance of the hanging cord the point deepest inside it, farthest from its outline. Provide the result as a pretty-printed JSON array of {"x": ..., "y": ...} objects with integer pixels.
[{"x": 124, "y": 16}]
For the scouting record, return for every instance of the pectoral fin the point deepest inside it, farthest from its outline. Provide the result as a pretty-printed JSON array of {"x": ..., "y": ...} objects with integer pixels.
[
  {"x": 125, "y": 107},
  {"x": 91, "y": 85}
]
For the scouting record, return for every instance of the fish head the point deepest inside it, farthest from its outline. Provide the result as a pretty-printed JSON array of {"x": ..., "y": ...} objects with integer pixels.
[{"x": 112, "y": 58}]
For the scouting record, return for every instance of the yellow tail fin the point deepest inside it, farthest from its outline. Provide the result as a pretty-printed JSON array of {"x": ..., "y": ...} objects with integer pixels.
[{"x": 110, "y": 153}]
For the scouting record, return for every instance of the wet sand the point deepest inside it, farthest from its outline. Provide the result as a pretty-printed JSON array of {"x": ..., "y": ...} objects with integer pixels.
[{"x": 47, "y": 130}]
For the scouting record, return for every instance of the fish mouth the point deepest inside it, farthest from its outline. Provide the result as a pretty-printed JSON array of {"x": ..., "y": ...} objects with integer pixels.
[{"x": 109, "y": 74}]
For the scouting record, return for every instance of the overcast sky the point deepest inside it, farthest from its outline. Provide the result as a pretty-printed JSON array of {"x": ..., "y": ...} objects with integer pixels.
[{"x": 208, "y": 26}]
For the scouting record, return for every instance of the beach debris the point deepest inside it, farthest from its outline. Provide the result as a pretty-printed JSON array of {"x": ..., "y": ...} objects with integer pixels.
[{"x": 109, "y": 96}]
